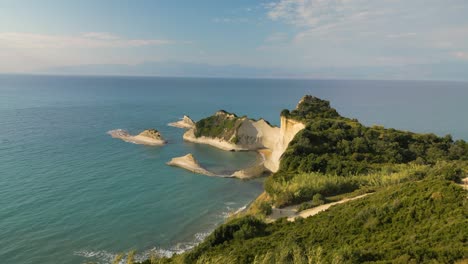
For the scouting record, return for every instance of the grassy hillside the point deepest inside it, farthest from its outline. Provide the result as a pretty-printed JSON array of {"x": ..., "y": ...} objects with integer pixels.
[
  {"x": 416, "y": 213},
  {"x": 337, "y": 147},
  {"x": 415, "y": 222}
]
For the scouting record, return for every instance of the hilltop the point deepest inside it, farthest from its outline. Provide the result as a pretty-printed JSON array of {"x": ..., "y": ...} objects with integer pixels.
[{"x": 414, "y": 212}]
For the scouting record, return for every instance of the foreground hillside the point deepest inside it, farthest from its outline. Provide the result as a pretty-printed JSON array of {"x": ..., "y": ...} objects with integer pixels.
[
  {"x": 415, "y": 212},
  {"x": 416, "y": 222}
]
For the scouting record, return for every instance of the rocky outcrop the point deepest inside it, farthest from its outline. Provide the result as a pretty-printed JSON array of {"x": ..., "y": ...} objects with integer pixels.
[
  {"x": 258, "y": 169},
  {"x": 151, "y": 137},
  {"x": 189, "y": 163},
  {"x": 186, "y": 123},
  {"x": 248, "y": 134},
  {"x": 288, "y": 129}
]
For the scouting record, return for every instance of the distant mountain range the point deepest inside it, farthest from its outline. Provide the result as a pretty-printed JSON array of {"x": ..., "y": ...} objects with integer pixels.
[{"x": 441, "y": 71}]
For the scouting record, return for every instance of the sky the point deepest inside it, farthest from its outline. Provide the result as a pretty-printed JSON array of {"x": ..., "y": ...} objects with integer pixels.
[{"x": 330, "y": 39}]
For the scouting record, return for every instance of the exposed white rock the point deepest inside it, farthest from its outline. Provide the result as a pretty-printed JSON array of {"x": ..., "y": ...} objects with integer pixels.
[
  {"x": 151, "y": 137},
  {"x": 186, "y": 123},
  {"x": 256, "y": 135},
  {"x": 189, "y": 163}
]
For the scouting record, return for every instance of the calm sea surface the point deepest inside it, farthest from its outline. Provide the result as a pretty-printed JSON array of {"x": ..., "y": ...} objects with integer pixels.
[{"x": 69, "y": 193}]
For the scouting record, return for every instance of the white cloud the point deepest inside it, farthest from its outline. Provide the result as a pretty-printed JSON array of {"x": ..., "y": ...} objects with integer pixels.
[
  {"x": 314, "y": 13},
  {"x": 226, "y": 20},
  {"x": 86, "y": 40},
  {"x": 26, "y": 52},
  {"x": 370, "y": 32},
  {"x": 401, "y": 35},
  {"x": 277, "y": 37}
]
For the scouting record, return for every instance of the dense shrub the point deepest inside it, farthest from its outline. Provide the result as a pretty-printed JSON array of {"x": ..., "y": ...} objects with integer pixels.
[
  {"x": 221, "y": 125},
  {"x": 340, "y": 149},
  {"x": 415, "y": 222},
  {"x": 265, "y": 208}
]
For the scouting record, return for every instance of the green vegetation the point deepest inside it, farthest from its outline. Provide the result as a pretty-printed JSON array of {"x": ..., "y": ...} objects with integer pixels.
[
  {"x": 311, "y": 107},
  {"x": 302, "y": 187},
  {"x": 265, "y": 208},
  {"x": 416, "y": 213},
  {"x": 334, "y": 155},
  {"x": 414, "y": 222},
  {"x": 317, "y": 200},
  {"x": 221, "y": 125}
]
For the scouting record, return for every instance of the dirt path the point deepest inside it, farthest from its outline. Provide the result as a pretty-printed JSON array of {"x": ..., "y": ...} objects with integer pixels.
[
  {"x": 321, "y": 208},
  {"x": 464, "y": 183}
]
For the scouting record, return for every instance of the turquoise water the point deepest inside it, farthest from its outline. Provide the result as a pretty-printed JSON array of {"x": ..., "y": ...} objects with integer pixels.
[{"x": 69, "y": 193}]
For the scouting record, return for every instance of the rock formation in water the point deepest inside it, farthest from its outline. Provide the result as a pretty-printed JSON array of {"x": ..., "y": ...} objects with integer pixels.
[
  {"x": 189, "y": 163},
  {"x": 150, "y": 137},
  {"x": 186, "y": 123},
  {"x": 229, "y": 132}
]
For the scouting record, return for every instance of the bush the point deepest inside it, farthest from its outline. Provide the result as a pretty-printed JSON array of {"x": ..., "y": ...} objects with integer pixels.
[
  {"x": 401, "y": 224},
  {"x": 265, "y": 208}
]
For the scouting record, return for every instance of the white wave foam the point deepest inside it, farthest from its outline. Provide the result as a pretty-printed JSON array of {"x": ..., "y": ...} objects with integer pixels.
[{"x": 106, "y": 257}]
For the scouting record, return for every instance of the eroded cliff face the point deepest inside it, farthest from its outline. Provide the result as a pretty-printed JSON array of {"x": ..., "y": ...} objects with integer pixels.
[
  {"x": 255, "y": 135},
  {"x": 288, "y": 129}
]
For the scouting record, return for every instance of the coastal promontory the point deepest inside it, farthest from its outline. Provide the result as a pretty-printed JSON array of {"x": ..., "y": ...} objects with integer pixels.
[
  {"x": 230, "y": 132},
  {"x": 151, "y": 137},
  {"x": 189, "y": 163}
]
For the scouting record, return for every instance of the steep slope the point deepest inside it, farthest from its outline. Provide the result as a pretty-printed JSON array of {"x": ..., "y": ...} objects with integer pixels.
[
  {"x": 229, "y": 132},
  {"x": 417, "y": 222}
]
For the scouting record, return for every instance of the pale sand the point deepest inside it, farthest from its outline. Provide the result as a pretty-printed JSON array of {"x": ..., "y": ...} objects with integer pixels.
[
  {"x": 189, "y": 163},
  {"x": 291, "y": 211},
  {"x": 138, "y": 139},
  {"x": 321, "y": 208},
  {"x": 464, "y": 183}
]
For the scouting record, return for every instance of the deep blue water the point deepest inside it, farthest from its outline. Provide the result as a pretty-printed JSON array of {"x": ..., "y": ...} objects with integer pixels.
[{"x": 69, "y": 193}]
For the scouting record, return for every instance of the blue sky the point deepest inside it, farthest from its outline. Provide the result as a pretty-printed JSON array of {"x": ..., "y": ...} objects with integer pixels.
[{"x": 362, "y": 39}]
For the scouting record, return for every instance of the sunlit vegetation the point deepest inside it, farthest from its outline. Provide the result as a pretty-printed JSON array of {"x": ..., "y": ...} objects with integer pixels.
[
  {"x": 221, "y": 125},
  {"x": 414, "y": 222},
  {"x": 334, "y": 155},
  {"x": 415, "y": 214}
]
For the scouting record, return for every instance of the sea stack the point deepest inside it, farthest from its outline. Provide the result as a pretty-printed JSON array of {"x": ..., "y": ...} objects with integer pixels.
[
  {"x": 186, "y": 122},
  {"x": 151, "y": 137},
  {"x": 189, "y": 163}
]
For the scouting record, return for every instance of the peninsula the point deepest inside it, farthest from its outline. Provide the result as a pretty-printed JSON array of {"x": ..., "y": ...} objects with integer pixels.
[
  {"x": 151, "y": 137},
  {"x": 189, "y": 163},
  {"x": 353, "y": 193},
  {"x": 229, "y": 132},
  {"x": 186, "y": 122}
]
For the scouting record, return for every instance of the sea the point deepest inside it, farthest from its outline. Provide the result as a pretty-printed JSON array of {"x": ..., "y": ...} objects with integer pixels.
[{"x": 70, "y": 193}]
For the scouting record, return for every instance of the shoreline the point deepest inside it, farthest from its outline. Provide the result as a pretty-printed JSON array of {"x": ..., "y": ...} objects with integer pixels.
[{"x": 189, "y": 163}]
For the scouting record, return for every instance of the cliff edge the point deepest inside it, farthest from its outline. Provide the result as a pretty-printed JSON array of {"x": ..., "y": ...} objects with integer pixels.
[{"x": 227, "y": 131}]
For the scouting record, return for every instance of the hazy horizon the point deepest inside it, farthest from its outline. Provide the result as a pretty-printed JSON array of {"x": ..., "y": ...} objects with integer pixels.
[{"x": 335, "y": 39}]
